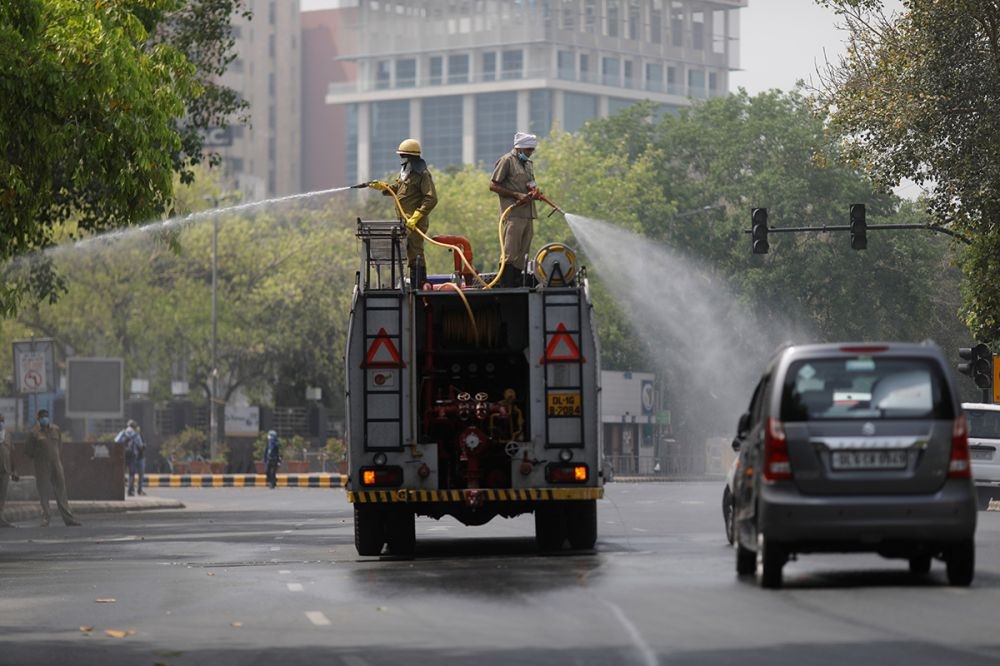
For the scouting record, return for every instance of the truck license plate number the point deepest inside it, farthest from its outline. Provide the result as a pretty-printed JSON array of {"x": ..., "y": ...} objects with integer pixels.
[{"x": 564, "y": 404}]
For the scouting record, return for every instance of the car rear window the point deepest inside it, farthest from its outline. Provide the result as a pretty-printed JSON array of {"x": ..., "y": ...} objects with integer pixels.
[
  {"x": 864, "y": 387},
  {"x": 984, "y": 424}
]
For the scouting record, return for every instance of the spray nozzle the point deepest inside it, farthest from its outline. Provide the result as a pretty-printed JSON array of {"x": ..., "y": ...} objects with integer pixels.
[
  {"x": 361, "y": 185},
  {"x": 537, "y": 194}
]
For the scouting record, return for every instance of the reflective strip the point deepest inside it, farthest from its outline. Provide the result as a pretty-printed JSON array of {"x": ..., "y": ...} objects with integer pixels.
[{"x": 492, "y": 495}]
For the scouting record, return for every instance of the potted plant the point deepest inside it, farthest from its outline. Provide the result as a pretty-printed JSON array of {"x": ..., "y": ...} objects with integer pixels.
[
  {"x": 291, "y": 446},
  {"x": 186, "y": 451},
  {"x": 336, "y": 452}
]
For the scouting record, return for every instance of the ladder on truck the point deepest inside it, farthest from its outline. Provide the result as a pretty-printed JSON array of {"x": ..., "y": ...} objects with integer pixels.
[{"x": 382, "y": 259}]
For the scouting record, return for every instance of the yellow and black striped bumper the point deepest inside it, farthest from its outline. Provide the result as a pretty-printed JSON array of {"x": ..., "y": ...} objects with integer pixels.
[
  {"x": 488, "y": 494},
  {"x": 241, "y": 480}
]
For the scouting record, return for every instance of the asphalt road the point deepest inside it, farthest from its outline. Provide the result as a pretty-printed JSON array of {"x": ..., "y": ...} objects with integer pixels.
[{"x": 258, "y": 576}]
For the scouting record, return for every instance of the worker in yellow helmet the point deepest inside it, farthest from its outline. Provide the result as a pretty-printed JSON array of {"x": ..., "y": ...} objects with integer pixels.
[{"x": 415, "y": 189}]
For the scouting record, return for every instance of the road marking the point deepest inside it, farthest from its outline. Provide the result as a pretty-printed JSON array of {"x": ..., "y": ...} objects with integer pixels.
[
  {"x": 646, "y": 652},
  {"x": 285, "y": 571},
  {"x": 278, "y": 538},
  {"x": 691, "y": 502},
  {"x": 275, "y": 548},
  {"x": 438, "y": 529},
  {"x": 295, "y": 587},
  {"x": 317, "y": 618}
]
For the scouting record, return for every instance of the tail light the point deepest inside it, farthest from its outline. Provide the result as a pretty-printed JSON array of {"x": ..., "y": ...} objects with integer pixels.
[
  {"x": 566, "y": 473},
  {"x": 777, "y": 466},
  {"x": 959, "y": 466},
  {"x": 391, "y": 476}
]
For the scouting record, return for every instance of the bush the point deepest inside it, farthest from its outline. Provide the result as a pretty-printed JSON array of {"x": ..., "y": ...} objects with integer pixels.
[{"x": 189, "y": 444}]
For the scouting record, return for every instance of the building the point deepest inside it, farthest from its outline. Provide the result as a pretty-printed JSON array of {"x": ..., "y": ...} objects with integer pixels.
[
  {"x": 263, "y": 159},
  {"x": 463, "y": 75}
]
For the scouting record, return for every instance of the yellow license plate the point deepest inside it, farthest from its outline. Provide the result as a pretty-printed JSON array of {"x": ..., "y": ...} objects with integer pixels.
[{"x": 564, "y": 404}]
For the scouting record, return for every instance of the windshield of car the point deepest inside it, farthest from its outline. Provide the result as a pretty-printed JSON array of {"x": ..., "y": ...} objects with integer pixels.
[
  {"x": 984, "y": 424},
  {"x": 864, "y": 387}
]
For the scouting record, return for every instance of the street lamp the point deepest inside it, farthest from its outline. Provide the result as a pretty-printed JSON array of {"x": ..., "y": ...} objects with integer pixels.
[{"x": 213, "y": 419}]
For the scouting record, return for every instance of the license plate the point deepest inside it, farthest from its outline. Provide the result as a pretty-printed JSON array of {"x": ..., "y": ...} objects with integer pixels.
[
  {"x": 869, "y": 459},
  {"x": 982, "y": 454},
  {"x": 564, "y": 404}
]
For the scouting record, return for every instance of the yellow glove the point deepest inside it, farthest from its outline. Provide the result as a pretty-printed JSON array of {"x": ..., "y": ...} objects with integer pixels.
[
  {"x": 411, "y": 223},
  {"x": 378, "y": 185}
]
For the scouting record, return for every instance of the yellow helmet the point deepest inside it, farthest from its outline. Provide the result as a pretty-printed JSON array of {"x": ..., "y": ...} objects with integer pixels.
[{"x": 409, "y": 147}]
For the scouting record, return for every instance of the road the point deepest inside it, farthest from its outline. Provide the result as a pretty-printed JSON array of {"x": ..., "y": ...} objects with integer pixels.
[{"x": 258, "y": 576}]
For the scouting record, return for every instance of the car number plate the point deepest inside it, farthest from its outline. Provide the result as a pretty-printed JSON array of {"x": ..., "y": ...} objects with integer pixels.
[
  {"x": 564, "y": 404},
  {"x": 982, "y": 454},
  {"x": 877, "y": 459}
]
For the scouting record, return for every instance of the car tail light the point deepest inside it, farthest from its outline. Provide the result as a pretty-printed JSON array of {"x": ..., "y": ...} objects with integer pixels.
[
  {"x": 382, "y": 476},
  {"x": 959, "y": 466},
  {"x": 777, "y": 466},
  {"x": 864, "y": 349},
  {"x": 566, "y": 473}
]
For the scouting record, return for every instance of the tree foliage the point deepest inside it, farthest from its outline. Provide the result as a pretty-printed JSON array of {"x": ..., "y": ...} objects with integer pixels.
[
  {"x": 94, "y": 95},
  {"x": 915, "y": 97}
]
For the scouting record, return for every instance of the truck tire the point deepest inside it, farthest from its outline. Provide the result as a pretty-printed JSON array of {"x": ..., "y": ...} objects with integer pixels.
[
  {"x": 960, "y": 560},
  {"x": 401, "y": 533},
  {"x": 550, "y": 526},
  {"x": 581, "y": 524},
  {"x": 369, "y": 532}
]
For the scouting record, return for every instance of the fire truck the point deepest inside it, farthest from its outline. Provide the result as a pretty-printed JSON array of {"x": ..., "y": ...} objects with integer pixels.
[{"x": 470, "y": 401}]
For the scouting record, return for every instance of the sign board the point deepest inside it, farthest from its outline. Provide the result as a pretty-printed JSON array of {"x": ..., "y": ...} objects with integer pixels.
[
  {"x": 34, "y": 366},
  {"x": 95, "y": 387},
  {"x": 218, "y": 137},
  {"x": 242, "y": 421}
]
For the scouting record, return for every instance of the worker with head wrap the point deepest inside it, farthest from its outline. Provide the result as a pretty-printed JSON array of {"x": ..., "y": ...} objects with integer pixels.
[
  {"x": 414, "y": 188},
  {"x": 513, "y": 180}
]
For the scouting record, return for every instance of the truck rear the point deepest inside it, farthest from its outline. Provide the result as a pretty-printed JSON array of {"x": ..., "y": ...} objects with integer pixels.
[{"x": 470, "y": 401}]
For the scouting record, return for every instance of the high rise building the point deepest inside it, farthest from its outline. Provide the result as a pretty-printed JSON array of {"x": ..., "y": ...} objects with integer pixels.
[
  {"x": 463, "y": 75},
  {"x": 263, "y": 159}
]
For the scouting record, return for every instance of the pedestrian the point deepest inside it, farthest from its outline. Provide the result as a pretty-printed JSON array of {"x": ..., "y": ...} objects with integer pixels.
[
  {"x": 135, "y": 455},
  {"x": 414, "y": 187},
  {"x": 272, "y": 458},
  {"x": 513, "y": 180},
  {"x": 43, "y": 447},
  {"x": 7, "y": 473}
]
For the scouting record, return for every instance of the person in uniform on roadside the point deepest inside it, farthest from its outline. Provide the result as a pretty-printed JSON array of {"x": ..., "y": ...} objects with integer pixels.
[
  {"x": 513, "y": 180},
  {"x": 272, "y": 458},
  {"x": 414, "y": 187},
  {"x": 43, "y": 447},
  {"x": 7, "y": 473},
  {"x": 135, "y": 455}
]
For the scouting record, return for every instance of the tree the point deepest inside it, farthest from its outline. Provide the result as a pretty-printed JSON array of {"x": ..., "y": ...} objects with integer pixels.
[
  {"x": 90, "y": 120},
  {"x": 915, "y": 97}
]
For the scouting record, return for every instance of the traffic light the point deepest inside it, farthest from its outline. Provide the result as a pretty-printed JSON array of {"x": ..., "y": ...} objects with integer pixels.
[
  {"x": 859, "y": 228},
  {"x": 758, "y": 230},
  {"x": 979, "y": 365}
]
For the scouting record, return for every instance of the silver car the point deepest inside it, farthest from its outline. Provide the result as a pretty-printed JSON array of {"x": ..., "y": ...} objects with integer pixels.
[
  {"x": 984, "y": 441},
  {"x": 855, "y": 447}
]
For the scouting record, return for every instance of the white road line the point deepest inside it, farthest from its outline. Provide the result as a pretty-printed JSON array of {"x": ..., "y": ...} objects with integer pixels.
[
  {"x": 285, "y": 571},
  {"x": 318, "y": 619},
  {"x": 646, "y": 652},
  {"x": 691, "y": 502},
  {"x": 295, "y": 587},
  {"x": 275, "y": 548},
  {"x": 278, "y": 538}
]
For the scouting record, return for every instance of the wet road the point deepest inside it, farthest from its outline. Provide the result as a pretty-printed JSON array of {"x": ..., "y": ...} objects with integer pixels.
[{"x": 254, "y": 576}]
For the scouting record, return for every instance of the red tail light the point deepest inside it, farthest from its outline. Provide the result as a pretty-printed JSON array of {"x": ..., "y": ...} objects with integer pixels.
[
  {"x": 777, "y": 466},
  {"x": 959, "y": 466}
]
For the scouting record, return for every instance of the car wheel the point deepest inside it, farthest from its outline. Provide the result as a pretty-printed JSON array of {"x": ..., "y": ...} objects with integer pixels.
[
  {"x": 961, "y": 562},
  {"x": 920, "y": 565},
  {"x": 746, "y": 560},
  {"x": 771, "y": 558},
  {"x": 729, "y": 514}
]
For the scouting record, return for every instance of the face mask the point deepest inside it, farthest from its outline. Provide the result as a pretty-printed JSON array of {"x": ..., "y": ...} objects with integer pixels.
[
  {"x": 44, "y": 422},
  {"x": 522, "y": 156}
]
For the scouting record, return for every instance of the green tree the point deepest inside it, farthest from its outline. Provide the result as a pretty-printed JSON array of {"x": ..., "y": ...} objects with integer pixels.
[
  {"x": 93, "y": 97},
  {"x": 915, "y": 97}
]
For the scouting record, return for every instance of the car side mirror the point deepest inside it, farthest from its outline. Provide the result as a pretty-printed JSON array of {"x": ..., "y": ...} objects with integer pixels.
[
  {"x": 744, "y": 425},
  {"x": 736, "y": 445}
]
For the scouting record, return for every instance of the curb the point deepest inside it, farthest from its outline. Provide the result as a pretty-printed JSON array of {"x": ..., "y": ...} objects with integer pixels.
[
  {"x": 318, "y": 480},
  {"x": 16, "y": 512}
]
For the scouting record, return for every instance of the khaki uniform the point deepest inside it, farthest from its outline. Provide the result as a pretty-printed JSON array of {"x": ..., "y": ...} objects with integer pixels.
[
  {"x": 416, "y": 192},
  {"x": 43, "y": 446},
  {"x": 6, "y": 468},
  {"x": 513, "y": 174}
]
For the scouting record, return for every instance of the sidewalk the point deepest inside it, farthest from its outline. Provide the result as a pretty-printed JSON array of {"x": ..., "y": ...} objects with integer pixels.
[{"x": 19, "y": 511}]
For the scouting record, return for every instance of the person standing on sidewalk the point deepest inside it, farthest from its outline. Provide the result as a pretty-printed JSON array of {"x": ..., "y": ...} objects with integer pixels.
[
  {"x": 272, "y": 458},
  {"x": 43, "y": 447},
  {"x": 135, "y": 455},
  {"x": 7, "y": 472}
]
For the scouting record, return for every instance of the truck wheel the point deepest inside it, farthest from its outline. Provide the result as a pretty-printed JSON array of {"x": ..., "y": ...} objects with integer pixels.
[
  {"x": 771, "y": 558},
  {"x": 961, "y": 563},
  {"x": 369, "y": 533},
  {"x": 550, "y": 526},
  {"x": 401, "y": 533},
  {"x": 581, "y": 524}
]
